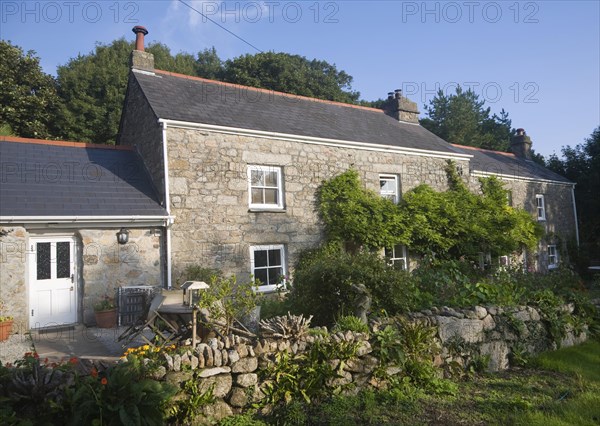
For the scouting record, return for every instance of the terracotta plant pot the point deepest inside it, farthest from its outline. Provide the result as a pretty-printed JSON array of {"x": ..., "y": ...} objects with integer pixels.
[
  {"x": 106, "y": 319},
  {"x": 5, "y": 329}
]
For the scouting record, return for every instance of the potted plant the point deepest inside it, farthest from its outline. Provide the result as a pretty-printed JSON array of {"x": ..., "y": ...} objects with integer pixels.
[
  {"x": 105, "y": 311},
  {"x": 6, "y": 323}
]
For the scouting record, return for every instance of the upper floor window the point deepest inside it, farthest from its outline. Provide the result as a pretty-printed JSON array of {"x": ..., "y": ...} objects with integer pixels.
[
  {"x": 552, "y": 257},
  {"x": 397, "y": 256},
  {"x": 268, "y": 266},
  {"x": 265, "y": 187},
  {"x": 389, "y": 188},
  {"x": 541, "y": 207}
]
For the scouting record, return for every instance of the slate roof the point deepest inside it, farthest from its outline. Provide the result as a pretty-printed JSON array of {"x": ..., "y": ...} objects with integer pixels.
[
  {"x": 192, "y": 99},
  {"x": 49, "y": 178},
  {"x": 506, "y": 163}
]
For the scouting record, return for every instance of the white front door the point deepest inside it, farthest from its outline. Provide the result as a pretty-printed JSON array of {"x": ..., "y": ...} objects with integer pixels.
[{"x": 52, "y": 281}]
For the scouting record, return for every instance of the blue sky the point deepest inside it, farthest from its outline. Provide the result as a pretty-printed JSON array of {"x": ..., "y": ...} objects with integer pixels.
[{"x": 539, "y": 60}]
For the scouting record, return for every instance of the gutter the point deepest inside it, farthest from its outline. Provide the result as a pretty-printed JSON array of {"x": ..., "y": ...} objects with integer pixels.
[
  {"x": 168, "y": 222},
  {"x": 142, "y": 220},
  {"x": 575, "y": 215},
  {"x": 314, "y": 140}
]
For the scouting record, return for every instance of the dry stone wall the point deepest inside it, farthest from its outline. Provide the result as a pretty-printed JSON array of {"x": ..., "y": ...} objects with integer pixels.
[{"x": 231, "y": 366}]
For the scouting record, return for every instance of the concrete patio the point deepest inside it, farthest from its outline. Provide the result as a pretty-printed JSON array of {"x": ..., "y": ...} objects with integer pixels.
[{"x": 99, "y": 344}]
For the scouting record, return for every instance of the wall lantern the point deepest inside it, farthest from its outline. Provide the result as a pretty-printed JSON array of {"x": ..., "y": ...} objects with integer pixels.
[
  {"x": 123, "y": 236},
  {"x": 191, "y": 292}
]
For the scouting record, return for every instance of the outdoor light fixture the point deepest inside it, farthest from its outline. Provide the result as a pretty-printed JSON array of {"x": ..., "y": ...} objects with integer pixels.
[{"x": 123, "y": 236}]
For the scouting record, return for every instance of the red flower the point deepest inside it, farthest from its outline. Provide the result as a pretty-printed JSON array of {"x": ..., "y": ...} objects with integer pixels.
[
  {"x": 73, "y": 360},
  {"x": 94, "y": 372},
  {"x": 104, "y": 381},
  {"x": 35, "y": 355}
]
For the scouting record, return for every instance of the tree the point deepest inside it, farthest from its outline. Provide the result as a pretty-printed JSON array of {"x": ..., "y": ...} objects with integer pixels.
[
  {"x": 93, "y": 87},
  {"x": 291, "y": 74},
  {"x": 28, "y": 99},
  {"x": 461, "y": 118},
  {"x": 581, "y": 164}
]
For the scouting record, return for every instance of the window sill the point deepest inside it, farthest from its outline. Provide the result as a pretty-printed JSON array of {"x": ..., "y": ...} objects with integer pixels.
[{"x": 266, "y": 210}]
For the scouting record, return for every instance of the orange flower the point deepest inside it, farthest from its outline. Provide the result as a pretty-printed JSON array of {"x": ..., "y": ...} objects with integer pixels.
[
  {"x": 94, "y": 372},
  {"x": 104, "y": 380},
  {"x": 73, "y": 360}
]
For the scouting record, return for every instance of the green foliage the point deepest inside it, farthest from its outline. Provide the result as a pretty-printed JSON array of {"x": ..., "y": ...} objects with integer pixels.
[
  {"x": 452, "y": 224},
  {"x": 581, "y": 164},
  {"x": 350, "y": 323},
  {"x": 189, "y": 404},
  {"x": 28, "y": 98},
  {"x": 388, "y": 347},
  {"x": 228, "y": 301},
  {"x": 324, "y": 278},
  {"x": 362, "y": 217},
  {"x": 240, "y": 420},
  {"x": 461, "y": 118},
  {"x": 121, "y": 396},
  {"x": 294, "y": 74},
  {"x": 305, "y": 377}
]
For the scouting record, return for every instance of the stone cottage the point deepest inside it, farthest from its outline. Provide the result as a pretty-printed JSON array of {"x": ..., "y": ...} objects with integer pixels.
[
  {"x": 223, "y": 176},
  {"x": 237, "y": 167}
]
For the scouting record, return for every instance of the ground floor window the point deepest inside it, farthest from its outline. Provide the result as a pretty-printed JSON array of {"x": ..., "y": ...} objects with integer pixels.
[
  {"x": 397, "y": 256},
  {"x": 268, "y": 266},
  {"x": 552, "y": 257}
]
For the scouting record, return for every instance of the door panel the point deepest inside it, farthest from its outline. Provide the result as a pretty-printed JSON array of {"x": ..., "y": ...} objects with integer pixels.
[{"x": 52, "y": 283}]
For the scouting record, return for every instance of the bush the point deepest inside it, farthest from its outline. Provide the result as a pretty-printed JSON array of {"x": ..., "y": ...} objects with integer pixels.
[
  {"x": 350, "y": 323},
  {"x": 324, "y": 282}
]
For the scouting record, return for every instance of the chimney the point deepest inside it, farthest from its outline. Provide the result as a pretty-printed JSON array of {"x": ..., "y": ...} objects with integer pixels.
[
  {"x": 140, "y": 59},
  {"x": 401, "y": 108},
  {"x": 520, "y": 145}
]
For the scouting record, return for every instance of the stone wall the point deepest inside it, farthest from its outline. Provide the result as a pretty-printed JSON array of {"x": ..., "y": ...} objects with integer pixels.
[
  {"x": 232, "y": 365},
  {"x": 102, "y": 265},
  {"x": 13, "y": 268},
  {"x": 560, "y": 223},
  {"x": 140, "y": 128},
  {"x": 209, "y": 193},
  {"x": 106, "y": 265}
]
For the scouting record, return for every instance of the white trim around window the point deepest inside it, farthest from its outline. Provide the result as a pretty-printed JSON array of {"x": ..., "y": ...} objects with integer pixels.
[
  {"x": 541, "y": 207},
  {"x": 552, "y": 257},
  {"x": 397, "y": 255},
  {"x": 389, "y": 188},
  {"x": 265, "y": 187},
  {"x": 267, "y": 265}
]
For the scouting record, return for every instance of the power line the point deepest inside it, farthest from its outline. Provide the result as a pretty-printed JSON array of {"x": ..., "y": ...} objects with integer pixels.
[{"x": 222, "y": 27}]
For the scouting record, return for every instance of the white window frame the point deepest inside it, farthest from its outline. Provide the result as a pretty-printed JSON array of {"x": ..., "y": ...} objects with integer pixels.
[
  {"x": 540, "y": 204},
  {"x": 266, "y": 206},
  {"x": 553, "y": 258},
  {"x": 269, "y": 287},
  {"x": 398, "y": 253},
  {"x": 393, "y": 196}
]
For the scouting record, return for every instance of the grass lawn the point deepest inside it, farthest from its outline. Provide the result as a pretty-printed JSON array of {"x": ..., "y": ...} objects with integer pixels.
[{"x": 557, "y": 388}]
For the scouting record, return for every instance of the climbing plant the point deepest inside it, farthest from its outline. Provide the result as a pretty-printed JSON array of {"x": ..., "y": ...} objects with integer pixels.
[{"x": 450, "y": 224}]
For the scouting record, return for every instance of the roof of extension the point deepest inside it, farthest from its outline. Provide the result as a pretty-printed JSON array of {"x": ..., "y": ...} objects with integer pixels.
[
  {"x": 57, "y": 179},
  {"x": 197, "y": 100},
  {"x": 508, "y": 165}
]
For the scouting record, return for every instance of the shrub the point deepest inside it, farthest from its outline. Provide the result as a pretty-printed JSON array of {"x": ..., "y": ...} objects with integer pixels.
[
  {"x": 350, "y": 323},
  {"x": 324, "y": 278}
]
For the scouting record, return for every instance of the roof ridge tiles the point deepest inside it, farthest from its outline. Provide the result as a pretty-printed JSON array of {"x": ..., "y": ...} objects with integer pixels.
[
  {"x": 71, "y": 144},
  {"x": 269, "y": 91},
  {"x": 508, "y": 154}
]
